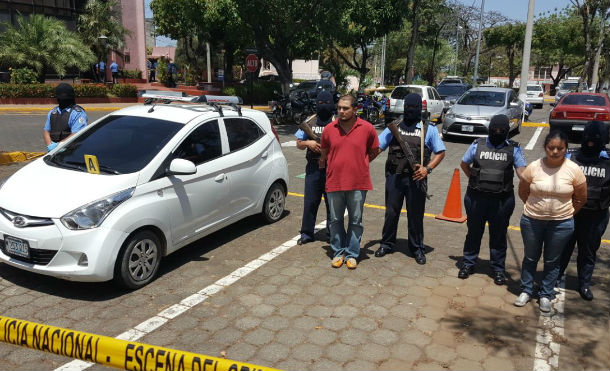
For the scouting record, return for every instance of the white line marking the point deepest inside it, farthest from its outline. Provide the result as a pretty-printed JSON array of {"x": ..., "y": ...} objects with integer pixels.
[
  {"x": 290, "y": 143},
  {"x": 187, "y": 303},
  {"x": 532, "y": 141},
  {"x": 546, "y": 355}
]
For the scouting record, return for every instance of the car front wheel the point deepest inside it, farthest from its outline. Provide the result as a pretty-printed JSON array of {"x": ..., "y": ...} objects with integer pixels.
[
  {"x": 139, "y": 260},
  {"x": 275, "y": 201}
]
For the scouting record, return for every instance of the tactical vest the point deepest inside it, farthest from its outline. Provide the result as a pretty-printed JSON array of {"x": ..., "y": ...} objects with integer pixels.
[
  {"x": 597, "y": 172},
  {"x": 317, "y": 129},
  {"x": 60, "y": 128},
  {"x": 411, "y": 136},
  {"x": 492, "y": 168}
]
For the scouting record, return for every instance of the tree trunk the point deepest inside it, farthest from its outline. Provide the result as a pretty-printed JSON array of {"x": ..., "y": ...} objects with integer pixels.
[
  {"x": 430, "y": 75},
  {"x": 511, "y": 66},
  {"x": 283, "y": 67},
  {"x": 412, "y": 43},
  {"x": 595, "y": 70},
  {"x": 363, "y": 70},
  {"x": 229, "y": 62}
]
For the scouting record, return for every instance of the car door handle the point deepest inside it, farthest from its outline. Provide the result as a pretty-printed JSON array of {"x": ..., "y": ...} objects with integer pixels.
[
  {"x": 265, "y": 154},
  {"x": 220, "y": 177}
]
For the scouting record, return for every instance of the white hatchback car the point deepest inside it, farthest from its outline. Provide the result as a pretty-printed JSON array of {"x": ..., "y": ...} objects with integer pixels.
[
  {"x": 137, "y": 185},
  {"x": 431, "y": 101}
]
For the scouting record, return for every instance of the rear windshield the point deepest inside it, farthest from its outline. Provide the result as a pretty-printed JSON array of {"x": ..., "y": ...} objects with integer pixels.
[
  {"x": 401, "y": 91},
  {"x": 584, "y": 100},
  {"x": 450, "y": 90},
  {"x": 482, "y": 98},
  {"x": 569, "y": 86},
  {"x": 121, "y": 144},
  {"x": 534, "y": 88}
]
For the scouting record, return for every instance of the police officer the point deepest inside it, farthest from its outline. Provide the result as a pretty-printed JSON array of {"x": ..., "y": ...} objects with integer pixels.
[
  {"x": 591, "y": 221},
  {"x": 402, "y": 182},
  {"x": 65, "y": 119},
  {"x": 488, "y": 163},
  {"x": 315, "y": 178}
]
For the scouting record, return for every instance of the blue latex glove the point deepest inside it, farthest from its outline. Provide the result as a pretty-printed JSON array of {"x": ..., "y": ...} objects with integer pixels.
[{"x": 51, "y": 146}]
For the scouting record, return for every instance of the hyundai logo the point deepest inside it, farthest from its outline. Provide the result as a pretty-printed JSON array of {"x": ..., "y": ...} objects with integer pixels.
[{"x": 19, "y": 222}]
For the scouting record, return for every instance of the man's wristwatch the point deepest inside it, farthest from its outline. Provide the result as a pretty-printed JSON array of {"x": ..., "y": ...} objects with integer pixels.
[{"x": 429, "y": 169}]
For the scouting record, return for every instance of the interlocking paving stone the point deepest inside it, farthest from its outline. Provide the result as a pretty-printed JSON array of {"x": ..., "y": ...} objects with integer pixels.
[
  {"x": 259, "y": 337},
  {"x": 307, "y": 352},
  {"x": 290, "y": 337},
  {"x": 275, "y": 323},
  {"x": 274, "y": 352}
]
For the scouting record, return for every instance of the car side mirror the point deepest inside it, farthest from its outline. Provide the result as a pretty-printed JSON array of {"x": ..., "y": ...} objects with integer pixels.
[
  {"x": 452, "y": 101},
  {"x": 180, "y": 166}
]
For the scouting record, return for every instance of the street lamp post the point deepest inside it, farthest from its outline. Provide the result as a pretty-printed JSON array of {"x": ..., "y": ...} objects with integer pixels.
[
  {"x": 457, "y": 44},
  {"x": 476, "y": 59}
]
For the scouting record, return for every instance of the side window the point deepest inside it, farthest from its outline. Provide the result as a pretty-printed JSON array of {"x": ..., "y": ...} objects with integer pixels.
[
  {"x": 436, "y": 95},
  {"x": 201, "y": 145},
  {"x": 241, "y": 132},
  {"x": 431, "y": 94}
]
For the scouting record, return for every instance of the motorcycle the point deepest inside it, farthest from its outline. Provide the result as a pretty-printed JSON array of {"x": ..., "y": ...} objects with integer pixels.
[
  {"x": 281, "y": 108},
  {"x": 302, "y": 107},
  {"x": 368, "y": 108}
]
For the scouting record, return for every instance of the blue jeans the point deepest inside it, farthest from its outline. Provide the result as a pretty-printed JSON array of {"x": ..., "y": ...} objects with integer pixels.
[
  {"x": 554, "y": 235},
  {"x": 346, "y": 243}
]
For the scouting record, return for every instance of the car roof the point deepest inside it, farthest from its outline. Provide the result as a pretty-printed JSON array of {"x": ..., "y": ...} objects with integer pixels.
[
  {"x": 455, "y": 84},
  {"x": 498, "y": 90},
  {"x": 413, "y": 86},
  {"x": 181, "y": 113},
  {"x": 586, "y": 93}
]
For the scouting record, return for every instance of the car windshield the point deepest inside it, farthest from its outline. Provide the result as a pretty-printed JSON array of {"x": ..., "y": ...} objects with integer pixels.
[
  {"x": 568, "y": 86},
  {"x": 121, "y": 144},
  {"x": 584, "y": 100},
  {"x": 534, "y": 88},
  {"x": 446, "y": 90},
  {"x": 482, "y": 98},
  {"x": 451, "y": 81},
  {"x": 306, "y": 85},
  {"x": 401, "y": 91}
]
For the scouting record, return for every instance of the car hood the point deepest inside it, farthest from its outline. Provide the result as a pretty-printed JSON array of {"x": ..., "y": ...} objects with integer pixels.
[
  {"x": 46, "y": 191},
  {"x": 467, "y": 110},
  {"x": 451, "y": 97}
]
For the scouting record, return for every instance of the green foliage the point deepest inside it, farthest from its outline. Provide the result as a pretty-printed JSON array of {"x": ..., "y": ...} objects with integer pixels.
[
  {"x": 420, "y": 81},
  {"x": 132, "y": 74},
  {"x": 189, "y": 75},
  {"x": 90, "y": 90},
  {"x": 80, "y": 90},
  {"x": 42, "y": 44},
  {"x": 262, "y": 91},
  {"x": 23, "y": 76},
  {"x": 26, "y": 90},
  {"x": 230, "y": 90},
  {"x": 102, "y": 18},
  {"x": 124, "y": 90},
  {"x": 162, "y": 74}
]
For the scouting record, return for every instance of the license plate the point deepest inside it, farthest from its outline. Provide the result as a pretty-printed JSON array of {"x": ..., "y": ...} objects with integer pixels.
[
  {"x": 16, "y": 246},
  {"x": 578, "y": 127},
  {"x": 468, "y": 128}
]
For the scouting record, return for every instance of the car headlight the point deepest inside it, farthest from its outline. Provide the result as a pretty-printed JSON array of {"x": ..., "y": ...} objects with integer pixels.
[
  {"x": 449, "y": 115},
  {"x": 93, "y": 214}
]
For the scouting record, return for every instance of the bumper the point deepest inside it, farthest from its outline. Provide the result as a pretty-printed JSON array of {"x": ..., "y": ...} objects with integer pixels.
[
  {"x": 573, "y": 125},
  {"x": 462, "y": 128},
  {"x": 535, "y": 100},
  {"x": 56, "y": 251}
]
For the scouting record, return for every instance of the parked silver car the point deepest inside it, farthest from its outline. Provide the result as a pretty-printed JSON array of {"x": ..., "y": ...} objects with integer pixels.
[
  {"x": 470, "y": 115},
  {"x": 431, "y": 101}
]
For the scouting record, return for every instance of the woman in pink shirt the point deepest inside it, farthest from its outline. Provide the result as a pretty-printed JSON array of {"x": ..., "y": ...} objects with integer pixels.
[{"x": 553, "y": 189}]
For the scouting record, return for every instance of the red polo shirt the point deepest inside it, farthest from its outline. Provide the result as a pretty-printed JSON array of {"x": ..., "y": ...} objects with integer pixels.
[{"x": 347, "y": 164}]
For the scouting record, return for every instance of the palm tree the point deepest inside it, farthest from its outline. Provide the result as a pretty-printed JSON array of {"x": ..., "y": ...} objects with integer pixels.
[
  {"x": 102, "y": 18},
  {"x": 42, "y": 44}
]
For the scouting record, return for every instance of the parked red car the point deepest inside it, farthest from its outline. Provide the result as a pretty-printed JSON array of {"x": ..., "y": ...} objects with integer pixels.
[{"x": 574, "y": 110}]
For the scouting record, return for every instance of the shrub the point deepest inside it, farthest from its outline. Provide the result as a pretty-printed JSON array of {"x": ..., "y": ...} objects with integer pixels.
[
  {"x": 419, "y": 81},
  {"x": 90, "y": 90},
  {"x": 27, "y": 90},
  {"x": 229, "y": 90},
  {"x": 124, "y": 90},
  {"x": 262, "y": 91},
  {"x": 132, "y": 74},
  {"x": 23, "y": 76},
  {"x": 162, "y": 75}
]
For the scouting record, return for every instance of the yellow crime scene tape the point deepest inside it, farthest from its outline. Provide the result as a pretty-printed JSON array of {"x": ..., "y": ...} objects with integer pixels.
[
  {"x": 19, "y": 156},
  {"x": 371, "y": 206},
  {"x": 112, "y": 352}
]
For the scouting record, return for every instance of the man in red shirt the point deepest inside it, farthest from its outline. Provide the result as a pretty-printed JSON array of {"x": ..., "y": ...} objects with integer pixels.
[{"x": 347, "y": 144}]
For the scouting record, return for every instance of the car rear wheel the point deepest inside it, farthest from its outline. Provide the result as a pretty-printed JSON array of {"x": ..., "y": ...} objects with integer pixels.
[
  {"x": 139, "y": 260},
  {"x": 275, "y": 201}
]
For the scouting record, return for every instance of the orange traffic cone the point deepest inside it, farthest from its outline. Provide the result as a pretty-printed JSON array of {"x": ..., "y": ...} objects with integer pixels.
[{"x": 453, "y": 205}]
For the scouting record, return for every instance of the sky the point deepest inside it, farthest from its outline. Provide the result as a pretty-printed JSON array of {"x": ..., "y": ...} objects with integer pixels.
[
  {"x": 514, "y": 9},
  {"x": 517, "y": 9}
]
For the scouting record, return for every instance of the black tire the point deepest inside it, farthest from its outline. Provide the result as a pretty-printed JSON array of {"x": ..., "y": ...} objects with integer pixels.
[
  {"x": 540, "y": 106},
  {"x": 275, "y": 201},
  {"x": 138, "y": 261},
  {"x": 373, "y": 116}
]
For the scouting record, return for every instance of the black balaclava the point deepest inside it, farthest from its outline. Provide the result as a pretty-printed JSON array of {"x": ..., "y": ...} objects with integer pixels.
[
  {"x": 594, "y": 138},
  {"x": 498, "y": 129},
  {"x": 65, "y": 95},
  {"x": 325, "y": 107},
  {"x": 412, "y": 109}
]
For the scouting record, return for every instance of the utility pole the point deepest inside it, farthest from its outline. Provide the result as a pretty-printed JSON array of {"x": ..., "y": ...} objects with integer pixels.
[
  {"x": 383, "y": 62},
  {"x": 457, "y": 44},
  {"x": 207, "y": 45},
  {"x": 476, "y": 59},
  {"x": 527, "y": 45}
]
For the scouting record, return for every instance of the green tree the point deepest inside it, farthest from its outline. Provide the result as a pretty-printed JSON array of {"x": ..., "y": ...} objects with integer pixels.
[
  {"x": 510, "y": 38},
  {"x": 42, "y": 44},
  {"x": 102, "y": 18},
  {"x": 558, "y": 40},
  {"x": 359, "y": 24}
]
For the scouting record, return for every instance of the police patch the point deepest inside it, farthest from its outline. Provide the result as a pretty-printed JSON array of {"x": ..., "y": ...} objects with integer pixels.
[{"x": 81, "y": 120}]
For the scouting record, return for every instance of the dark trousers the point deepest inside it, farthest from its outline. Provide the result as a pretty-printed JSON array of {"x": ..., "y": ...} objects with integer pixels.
[
  {"x": 102, "y": 76},
  {"x": 315, "y": 182},
  {"x": 482, "y": 207},
  {"x": 589, "y": 226},
  {"x": 115, "y": 77},
  {"x": 152, "y": 76},
  {"x": 398, "y": 188}
]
